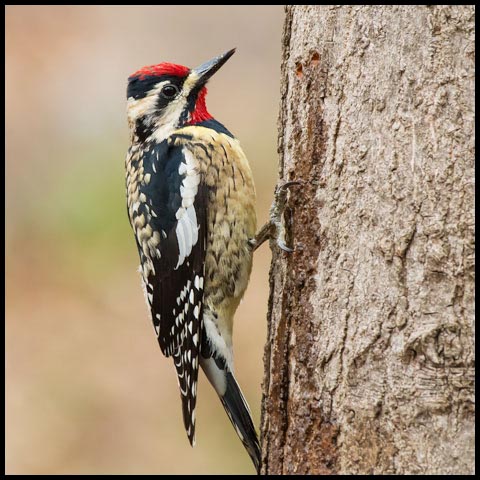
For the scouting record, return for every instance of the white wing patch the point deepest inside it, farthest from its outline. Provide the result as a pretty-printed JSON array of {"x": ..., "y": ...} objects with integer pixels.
[{"x": 187, "y": 225}]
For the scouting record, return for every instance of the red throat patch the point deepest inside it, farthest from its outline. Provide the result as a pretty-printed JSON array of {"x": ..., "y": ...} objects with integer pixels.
[
  {"x": 161, "y": 69},
  {"x": 200, "y": 113}
]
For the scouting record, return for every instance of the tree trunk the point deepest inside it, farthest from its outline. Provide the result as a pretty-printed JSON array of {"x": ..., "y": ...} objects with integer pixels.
[{"x": 369, "y": 363}]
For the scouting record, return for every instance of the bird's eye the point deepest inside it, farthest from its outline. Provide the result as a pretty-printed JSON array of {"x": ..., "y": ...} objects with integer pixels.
[{"x": 169, "y": 91}]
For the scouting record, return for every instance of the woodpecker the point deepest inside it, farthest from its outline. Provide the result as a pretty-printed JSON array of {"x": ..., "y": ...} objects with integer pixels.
[{"x": 191, "y": 204}]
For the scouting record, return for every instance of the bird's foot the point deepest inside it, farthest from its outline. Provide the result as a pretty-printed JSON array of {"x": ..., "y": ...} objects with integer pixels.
[{"x": 275, "y": 227}]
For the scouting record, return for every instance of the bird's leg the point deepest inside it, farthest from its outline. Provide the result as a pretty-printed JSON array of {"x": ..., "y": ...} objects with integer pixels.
[{"x": 275, "y": 228}]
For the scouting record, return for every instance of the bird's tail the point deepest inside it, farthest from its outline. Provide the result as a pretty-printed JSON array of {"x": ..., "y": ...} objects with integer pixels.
[
  {"x": 235, "y": 405},
  {"x": 239, "y": 413}
]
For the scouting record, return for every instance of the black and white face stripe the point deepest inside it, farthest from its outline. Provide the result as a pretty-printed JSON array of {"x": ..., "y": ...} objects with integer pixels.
[
  {"x": 139, "y": 87},
  {"x": 154, "y": 116},
  {"x": 157, "y": 105}
]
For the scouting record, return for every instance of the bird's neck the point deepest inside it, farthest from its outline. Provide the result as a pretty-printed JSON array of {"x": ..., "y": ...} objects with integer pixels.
[{"x": 200, "y": 112}]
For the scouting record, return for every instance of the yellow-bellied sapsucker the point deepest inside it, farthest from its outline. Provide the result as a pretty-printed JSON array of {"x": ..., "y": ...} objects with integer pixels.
[{"x": 191, "y": 204}]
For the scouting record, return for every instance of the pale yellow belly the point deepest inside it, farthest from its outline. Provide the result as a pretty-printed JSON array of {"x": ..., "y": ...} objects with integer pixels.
[{"x": 231, "y": 220}]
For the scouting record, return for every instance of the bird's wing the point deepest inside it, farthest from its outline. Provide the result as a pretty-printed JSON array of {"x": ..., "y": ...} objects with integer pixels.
[{"x": 172, "y": 251}]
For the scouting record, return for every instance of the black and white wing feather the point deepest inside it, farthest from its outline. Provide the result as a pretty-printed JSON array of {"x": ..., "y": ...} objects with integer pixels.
[{"x": 171, "y": 239}]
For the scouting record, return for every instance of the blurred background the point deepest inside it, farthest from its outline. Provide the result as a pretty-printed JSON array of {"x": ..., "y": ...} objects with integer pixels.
[{"x": 87, "y": 388}]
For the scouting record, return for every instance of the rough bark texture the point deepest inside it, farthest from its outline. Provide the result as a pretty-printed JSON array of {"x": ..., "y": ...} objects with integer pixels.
[{"x": 369, "y": 363}]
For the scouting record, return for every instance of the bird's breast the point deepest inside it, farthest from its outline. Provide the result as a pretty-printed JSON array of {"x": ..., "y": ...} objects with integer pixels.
[{"x": 231, "y": 217}]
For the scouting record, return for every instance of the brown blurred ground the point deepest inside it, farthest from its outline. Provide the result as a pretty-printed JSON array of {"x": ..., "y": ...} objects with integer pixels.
[{"x": 87, "y": 388}]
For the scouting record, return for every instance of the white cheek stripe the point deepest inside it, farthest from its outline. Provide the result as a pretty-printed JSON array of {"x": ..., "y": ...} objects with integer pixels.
[
  {"x": 146, "y": 108},
  {"x": 189, "y": 83},
  {"x": 143, "y": 107}
]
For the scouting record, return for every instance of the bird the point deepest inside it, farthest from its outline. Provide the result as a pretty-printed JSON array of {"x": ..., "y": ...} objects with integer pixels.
[{"x": 191, "y": 204}]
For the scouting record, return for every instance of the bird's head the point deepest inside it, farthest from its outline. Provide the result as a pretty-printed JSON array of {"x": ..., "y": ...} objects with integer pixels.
[{"x": 164, "y": 97}]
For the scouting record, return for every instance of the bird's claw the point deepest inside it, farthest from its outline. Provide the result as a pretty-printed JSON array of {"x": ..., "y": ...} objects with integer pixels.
[
  {"x": 275, "y": 228},
  {"x": 277, "y": 211},
  {"x": 282, "y": 245},
  {"x": 289, "y": 184}
]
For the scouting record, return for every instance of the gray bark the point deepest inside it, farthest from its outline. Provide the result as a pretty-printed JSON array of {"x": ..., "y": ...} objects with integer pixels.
[{"x": 369, "y": 363}]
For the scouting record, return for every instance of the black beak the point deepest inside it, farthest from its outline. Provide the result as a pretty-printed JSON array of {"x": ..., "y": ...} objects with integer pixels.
[{"x": 208, "y": 69}]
